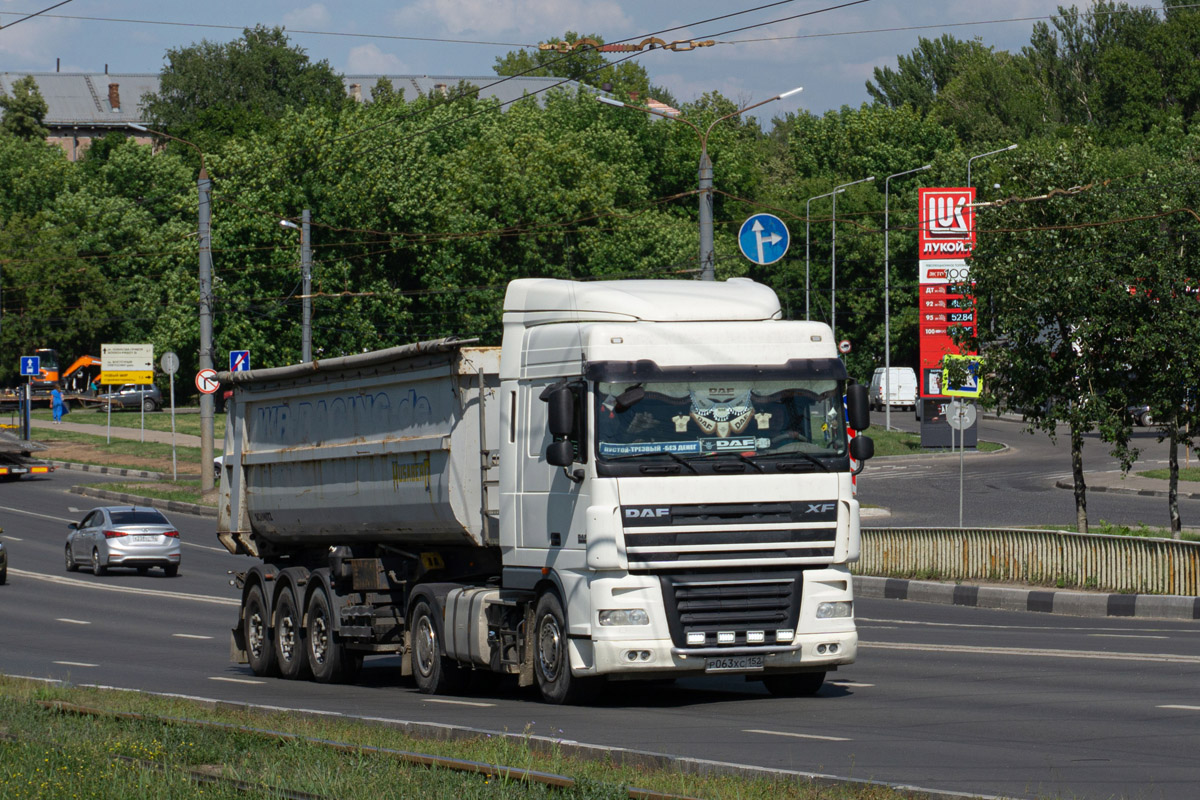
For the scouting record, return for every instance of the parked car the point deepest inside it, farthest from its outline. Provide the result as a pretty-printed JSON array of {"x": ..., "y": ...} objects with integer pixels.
[
  {"x": 134, "y": 395},
  {"x": 1140, "y": 414},
  {"x": 3, "y": 565},
  {"x": 900, "y": 384},
  {"x": 123, "y": 536}
]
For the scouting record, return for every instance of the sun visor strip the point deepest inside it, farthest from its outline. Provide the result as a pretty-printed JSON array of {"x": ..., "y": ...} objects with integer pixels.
[{"x": 645, "y": 370}]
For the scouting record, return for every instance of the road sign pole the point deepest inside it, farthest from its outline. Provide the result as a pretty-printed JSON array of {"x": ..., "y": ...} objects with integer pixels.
[{"x": 174, "y": 467}]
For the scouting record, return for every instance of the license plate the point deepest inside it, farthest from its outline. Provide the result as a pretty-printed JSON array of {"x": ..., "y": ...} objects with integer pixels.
[
  {"x": 144, "y": 538},
  {"x": 733, "y": 664}
]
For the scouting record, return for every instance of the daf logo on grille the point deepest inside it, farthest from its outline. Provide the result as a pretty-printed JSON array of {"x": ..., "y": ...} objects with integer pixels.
[
  {"x": 820, "y": 508},
  {"x": 647, "y": 513}
]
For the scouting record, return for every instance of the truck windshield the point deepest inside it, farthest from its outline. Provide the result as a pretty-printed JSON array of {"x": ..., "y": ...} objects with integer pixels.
[{"x": 704, "y": 418}]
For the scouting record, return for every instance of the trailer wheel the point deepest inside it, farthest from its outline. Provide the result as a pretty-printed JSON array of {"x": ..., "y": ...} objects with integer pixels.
[
  {"x": 331, "y": 662},
  {"x": 551, "y": 658},
  {"x": 800, "y": 684},
  {"x": 257, "y": 634},
  {"x": 289, "y": 637},
  {"x": 433, "y": 672}
]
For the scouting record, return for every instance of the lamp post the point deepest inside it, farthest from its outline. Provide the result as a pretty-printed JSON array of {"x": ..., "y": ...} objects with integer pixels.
[
  {"x": 306, "y": 277},
  {"x": 984, "y": 155},
  {"x": 807, "y": 216},
  {"x": 707, "y": 265},
  {"x": 887, "y": 303},
  {"x": 204, "y": 187},
  {"x": 833, "y": 255}
]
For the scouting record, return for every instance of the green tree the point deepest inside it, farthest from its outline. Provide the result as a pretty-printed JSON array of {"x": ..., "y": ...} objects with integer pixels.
[
  {"x": 921, "y": 76},
  {"x": 210, "y": 91},
  {"x": 25, "y": 110},
  {"x": 584, "y": 64}
]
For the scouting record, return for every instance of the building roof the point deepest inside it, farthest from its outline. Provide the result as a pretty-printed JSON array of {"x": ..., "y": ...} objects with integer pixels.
[{"x": 85, "y": 98}]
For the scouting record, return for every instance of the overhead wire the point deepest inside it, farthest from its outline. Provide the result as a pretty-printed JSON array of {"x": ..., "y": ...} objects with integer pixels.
[{"x": 35, "y": 14}]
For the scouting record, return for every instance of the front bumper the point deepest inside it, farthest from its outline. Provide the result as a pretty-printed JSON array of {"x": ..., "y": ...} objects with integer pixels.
[{"x": 646, "y": 658}]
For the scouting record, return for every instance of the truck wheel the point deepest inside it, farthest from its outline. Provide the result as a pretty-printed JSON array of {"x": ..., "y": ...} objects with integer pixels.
[
  {"x": 97, "y": 567},
  {"x": 331, "y": 662},
  {"x": 433, "y": 672},
  {"x": 257, "y": 634},
  {"x": 289, "y": 637},
  {"x": 800, "y": 684},
  {"x": 551, "y": 659},
  {"x": 71, "y": 565}
]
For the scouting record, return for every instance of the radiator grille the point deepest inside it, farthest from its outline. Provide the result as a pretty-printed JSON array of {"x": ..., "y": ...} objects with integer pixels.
[{"x": 712, "y": 604}]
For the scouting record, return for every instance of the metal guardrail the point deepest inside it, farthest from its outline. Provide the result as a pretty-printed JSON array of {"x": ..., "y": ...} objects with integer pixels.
[{"x": 1050, "y": 558}]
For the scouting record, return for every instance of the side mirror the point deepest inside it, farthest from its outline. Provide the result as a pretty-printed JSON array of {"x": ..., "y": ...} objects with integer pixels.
[
  {"x": 72, "y": 526},
  {"x": 862, "y": 448},
  {"x": 561, "y": 411},
  {"x": 858, "y": 407},
  {"x": 560, "y": 453}
]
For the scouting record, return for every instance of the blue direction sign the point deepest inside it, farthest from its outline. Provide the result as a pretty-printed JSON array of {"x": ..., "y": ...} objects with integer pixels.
[
  {"x": 239, "y": 360},
  {"x": 970, "y": 384},
  {"x": 31, "y": 365},
  {"x": 763, "y": 239}
]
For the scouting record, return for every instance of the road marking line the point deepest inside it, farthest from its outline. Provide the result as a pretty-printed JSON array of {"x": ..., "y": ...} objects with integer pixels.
[
  {"x": 73, "y": 621},
  {"x": 798, "y": 735},
  {"x": 35, "y": 514},
  {"x": 76, "y": 664},
  {"x": 206, "y": 547},
  {"x": 190, "y": 636},
  {"x": 1169, "y": 658},
  {"x": 1182, "y": 708},
  {"x": 459, "y": 702},
  {"x": 917, "y": 622},
  {"x": 1129, "y": 636},
  {"x": 852, "y": 684},
  {"x": 12, "y": 538},
  {"x": 233, "y": 680},
  {"x": 108, "y": 587}
]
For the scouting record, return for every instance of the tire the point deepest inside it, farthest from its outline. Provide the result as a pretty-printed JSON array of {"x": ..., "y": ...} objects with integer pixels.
[
  {"x": 433, "y": 672},
  {"x": 171, "y": 570},
  {"x": 330, "y": 661},
  {"x": 551, "y": 656},
  {"x": 800, "y": 684},
  {"x": 256, "y": 633},
  {"x": 149, "y": 405},
  {"x": 290, "y": 650},
  {"x": 1146, "y": 419},
  {"x": 97, "y": 567},
  {"x": 4, "y": 575},
  {"x": 71, "y": 565}
]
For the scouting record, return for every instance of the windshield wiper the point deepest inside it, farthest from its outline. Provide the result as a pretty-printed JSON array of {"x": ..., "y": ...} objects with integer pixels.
[
  {"x": 801, "y": 454},
  {"x": 744, "y": 458},
  {"x": 667, "y": 453}
]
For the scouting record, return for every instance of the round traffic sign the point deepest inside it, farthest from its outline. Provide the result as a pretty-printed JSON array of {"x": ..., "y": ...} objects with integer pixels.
[
  {"x": 169, "y": 363},
  {"x": 763, "y": 239},
  {"x": 206, "y": 381},
  {"x": 844, "y": 346},
  {"x": 959, "y": 415}
]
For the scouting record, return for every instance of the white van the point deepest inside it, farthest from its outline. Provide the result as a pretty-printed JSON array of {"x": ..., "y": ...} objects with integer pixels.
[{"x": 901, "y": 388}]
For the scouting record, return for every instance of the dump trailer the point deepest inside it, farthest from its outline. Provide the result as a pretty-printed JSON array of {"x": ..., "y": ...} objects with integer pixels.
[
  {"x": 17, "y": 457},
  {"x": 646, "y": 480}
]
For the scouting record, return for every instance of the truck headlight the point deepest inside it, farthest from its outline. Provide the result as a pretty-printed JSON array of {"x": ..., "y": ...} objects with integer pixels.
[
  {"x": 838, "y": 610},
  {"x": 624, "y": 616}
]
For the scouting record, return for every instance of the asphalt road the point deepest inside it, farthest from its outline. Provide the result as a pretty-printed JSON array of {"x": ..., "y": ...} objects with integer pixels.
[
  {"x": 1014, "y": 487},
  {"x": 970, "y": 700}
]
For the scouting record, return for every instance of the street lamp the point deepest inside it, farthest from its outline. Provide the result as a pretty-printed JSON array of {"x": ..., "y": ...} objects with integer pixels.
[
  {"x": 984, "y": 155},
  {"x": 833, "y": 256},
  {"x": 887, "y": 304},
  {"x": 204, "y": 186},
  {"x": 807, "y": 217},
  {"x": 707, "y": 267},
  {"x": 306, "y": 277}
]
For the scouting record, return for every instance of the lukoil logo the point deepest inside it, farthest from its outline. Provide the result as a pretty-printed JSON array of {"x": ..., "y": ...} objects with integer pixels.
[{"x": 948, "y": 213}]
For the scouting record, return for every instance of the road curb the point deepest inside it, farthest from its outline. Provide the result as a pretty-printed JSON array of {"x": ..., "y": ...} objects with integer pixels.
[
  {"x": 1124, "y": 490},
  {"x": 136, "y": 500},
  {"x": 121, "y": 471},
  {"x": 1046, "y": 601}
]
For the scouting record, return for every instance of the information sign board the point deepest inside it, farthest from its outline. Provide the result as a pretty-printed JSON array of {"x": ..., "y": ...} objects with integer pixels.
[{"x": 126, "y": 363}]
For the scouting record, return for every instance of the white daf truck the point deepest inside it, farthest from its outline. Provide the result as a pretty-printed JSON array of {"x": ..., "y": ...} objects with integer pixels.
[{"x": 648, "y": 479}]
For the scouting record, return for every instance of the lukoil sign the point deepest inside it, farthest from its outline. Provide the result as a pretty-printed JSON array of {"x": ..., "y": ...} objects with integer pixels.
[{"x": 947, "y": 223}]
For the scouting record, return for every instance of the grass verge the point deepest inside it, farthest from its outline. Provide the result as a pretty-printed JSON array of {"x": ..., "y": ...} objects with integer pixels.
[
  {"x": 119, "y": 452},
  {"x": 184, "y": 491},
  {"x": 1104, "y": 528},
  {"x": 1185, "y": 474},
  {"x": 50, "y": 754},
  {"x": 155, "y": 421},
  {"x": 903, "y": 443}
]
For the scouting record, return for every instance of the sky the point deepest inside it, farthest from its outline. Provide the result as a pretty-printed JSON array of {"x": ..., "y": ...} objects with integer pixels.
[{"x": 831, "y": 50}]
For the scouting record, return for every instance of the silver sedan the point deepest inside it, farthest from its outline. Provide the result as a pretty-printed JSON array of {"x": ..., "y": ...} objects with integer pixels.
[{"x": 123, "y": 536}]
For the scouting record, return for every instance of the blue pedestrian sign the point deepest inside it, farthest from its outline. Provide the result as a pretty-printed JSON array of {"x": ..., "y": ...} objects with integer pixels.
[
  {"x": 239, "y": 360},
  {"x": 967, "y": 382},
  {"x": 31, "y": 365},
  {"x": 763, "y": 239}
]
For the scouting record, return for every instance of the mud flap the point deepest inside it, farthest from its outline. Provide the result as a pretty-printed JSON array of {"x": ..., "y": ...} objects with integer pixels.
[
  {"x": 237, "y": 646},
  {"x": 525, "y": 678}
]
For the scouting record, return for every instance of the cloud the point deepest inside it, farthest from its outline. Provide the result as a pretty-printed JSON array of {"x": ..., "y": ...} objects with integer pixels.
[
  {"x": 368, "y": 59},
  {"x": 315, "y": 17},
  {"x": 536, "y": 19}
]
